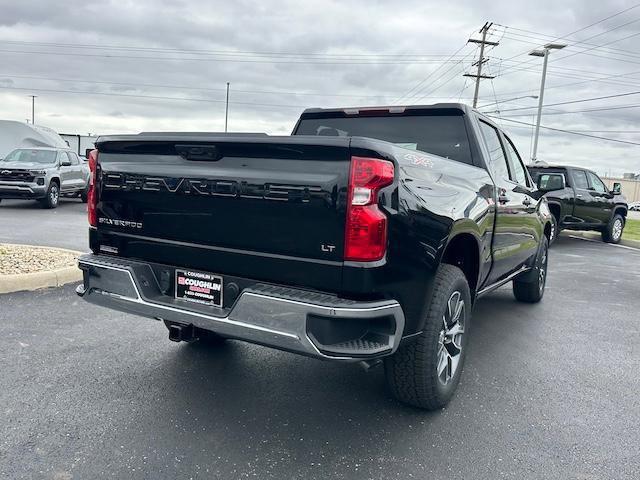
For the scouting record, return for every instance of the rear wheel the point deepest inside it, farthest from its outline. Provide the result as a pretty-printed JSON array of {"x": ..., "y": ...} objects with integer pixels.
[
  {"x": 529, "y": 288},
  {"x": 612, "y": 233},
  {"x": 426, "y": 372},
  {"x": 52, "y": 197},
  {"x": 84, "y": 195}
]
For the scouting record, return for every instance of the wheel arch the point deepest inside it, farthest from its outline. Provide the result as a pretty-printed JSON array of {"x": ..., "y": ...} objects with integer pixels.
[
  {"x": 620, "y": 209},
  {"x": 556, "y": 210},
  {"x": 463, "y": 251}
]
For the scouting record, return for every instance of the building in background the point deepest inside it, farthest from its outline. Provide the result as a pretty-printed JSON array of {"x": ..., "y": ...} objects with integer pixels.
[
  {"x": 79, "y": 143},
  {"x": 630, "y": 186}
]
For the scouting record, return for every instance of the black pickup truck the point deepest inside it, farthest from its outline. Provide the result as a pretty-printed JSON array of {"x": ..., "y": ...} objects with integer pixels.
[
  {"x": 368, "y": 234},
  {"x": 580, "y": 200}
]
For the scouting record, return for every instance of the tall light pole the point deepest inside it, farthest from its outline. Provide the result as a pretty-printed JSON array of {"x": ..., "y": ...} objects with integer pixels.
[
  {"x": 226, "y": 110},
  {"x": 33, "y": 109},
  {"x": 545, "y": 54}
]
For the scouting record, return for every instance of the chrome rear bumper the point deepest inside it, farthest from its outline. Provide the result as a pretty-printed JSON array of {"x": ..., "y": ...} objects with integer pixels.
[{"x": 310, "y": 323}]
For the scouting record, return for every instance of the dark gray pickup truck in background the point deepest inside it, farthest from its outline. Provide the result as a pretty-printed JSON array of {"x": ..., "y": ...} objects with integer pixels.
[{"x": 580, "y": 200}]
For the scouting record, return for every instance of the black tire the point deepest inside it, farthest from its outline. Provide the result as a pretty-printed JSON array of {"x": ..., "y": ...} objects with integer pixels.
[
  {"x": 529, "y": 288},
  {"x": 555, "y": 230},
  {"x": 203, "y": 337},
  {"x": 412, "y": 372},
  {"x": 84, "y": 195},
  {"x": 53, "y": 196},
  {"x": 612, "y": 233}
]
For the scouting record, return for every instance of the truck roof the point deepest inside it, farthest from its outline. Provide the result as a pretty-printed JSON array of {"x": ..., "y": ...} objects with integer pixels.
[
  {"x": 390, "y": 109},
  {"x": 556, "y": 166}
]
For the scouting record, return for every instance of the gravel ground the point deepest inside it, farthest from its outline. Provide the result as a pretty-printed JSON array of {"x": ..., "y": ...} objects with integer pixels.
[{"x": 15, "y": 259}]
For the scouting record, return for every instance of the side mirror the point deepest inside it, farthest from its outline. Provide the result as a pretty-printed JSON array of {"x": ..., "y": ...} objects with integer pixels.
[
  {"x": 65, "y": 163},
  {"x": 617, "y": 188},
  {"x": 548, "y": 182}
]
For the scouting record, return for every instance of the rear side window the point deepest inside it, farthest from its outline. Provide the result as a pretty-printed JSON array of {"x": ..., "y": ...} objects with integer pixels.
[
  {"x": 443, "y": 135},
  {"x": 496, "y": 152},
  {"x": 580, "y": 179},
  {"x": 519, "y": 174}
]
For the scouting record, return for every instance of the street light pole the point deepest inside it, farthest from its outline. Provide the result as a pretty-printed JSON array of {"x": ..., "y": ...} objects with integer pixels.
[
  {"x": 33, "y": 109},
  {"x": 545, "y": 54},
  {"x": 226, "y": 110}
]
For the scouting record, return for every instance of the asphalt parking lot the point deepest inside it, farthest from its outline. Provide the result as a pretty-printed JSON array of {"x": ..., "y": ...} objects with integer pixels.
[
  {"x": 549, "y": 391},
  {"x": 26, "y": 222}
]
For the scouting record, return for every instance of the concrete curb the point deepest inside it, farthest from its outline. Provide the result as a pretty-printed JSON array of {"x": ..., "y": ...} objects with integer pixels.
[
  {"x": 36, "y": 280},
  {"x": 597, "y": 236}
]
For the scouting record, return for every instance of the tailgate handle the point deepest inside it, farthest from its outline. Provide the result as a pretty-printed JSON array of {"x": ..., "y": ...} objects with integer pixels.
[{"x": 199, "y": 152}]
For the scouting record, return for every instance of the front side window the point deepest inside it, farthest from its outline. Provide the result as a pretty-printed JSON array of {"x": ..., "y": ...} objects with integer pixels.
[
  {"x": 596, "y": 183},
  {"x": 73, "y": 158},
  {"x": 497, "y": 156},
  {"x": 580, "y": 179}
]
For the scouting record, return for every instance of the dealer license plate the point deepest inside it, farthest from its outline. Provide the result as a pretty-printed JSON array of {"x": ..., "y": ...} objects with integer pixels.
[{"x": 199, "y": 287}]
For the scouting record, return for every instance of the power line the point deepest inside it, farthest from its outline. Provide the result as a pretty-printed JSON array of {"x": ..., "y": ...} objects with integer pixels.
[
  {"x": 419, "y": 84},
  {"x": 430, "y": 89},
  {"x": 540, "y": 37},
  {"x": 569, "y": 131},
  {"x": 572, "y": 101},
  {"x": 159, "y": 97},
  {"x": 603, "y": 109},
  {"x": 585, "y": 28},
  {"x": 233, "y": 60},
  {"x": 218, "y": 52},
  {"x": 569, "y": 84},
  {"x": 182, "y": 87}
]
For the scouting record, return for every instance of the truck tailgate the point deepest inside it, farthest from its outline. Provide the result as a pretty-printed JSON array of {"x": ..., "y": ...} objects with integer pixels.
[{"x": 269, "y": 208}]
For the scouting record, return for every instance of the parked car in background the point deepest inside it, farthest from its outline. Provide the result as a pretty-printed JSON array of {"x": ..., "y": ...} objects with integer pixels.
[
  {"x": 634, "y": 206},
  {"x": 580, "y": 200},
  {"x": 325, "y": 243},
  {"x": 43, "y": 174}
]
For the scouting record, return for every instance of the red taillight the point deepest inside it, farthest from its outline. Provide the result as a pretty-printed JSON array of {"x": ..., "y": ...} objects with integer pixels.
[
  {"x": 366, "y": 226},
  {"x": 92, "y": 197}
]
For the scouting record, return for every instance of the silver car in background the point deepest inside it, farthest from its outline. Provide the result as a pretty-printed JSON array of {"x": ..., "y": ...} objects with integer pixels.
[{"x": 43, "y": 174}]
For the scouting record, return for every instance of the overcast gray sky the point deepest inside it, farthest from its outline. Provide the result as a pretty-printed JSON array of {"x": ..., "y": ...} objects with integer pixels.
[{"x": 128, "y": 66}]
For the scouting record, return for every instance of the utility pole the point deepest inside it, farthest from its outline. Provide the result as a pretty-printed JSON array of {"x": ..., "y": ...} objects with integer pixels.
[
  {"x": 545, "y": 54},
  {"x": 33, "y": 109},
  {"x": 226, "y": 110},
  {"x": 484, "y": 30}
]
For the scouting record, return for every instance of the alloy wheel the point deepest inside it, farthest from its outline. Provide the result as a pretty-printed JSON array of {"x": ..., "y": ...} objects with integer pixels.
[
  {"x": 616, "y": 231},
  {"x": 542, "y": 270},
  {"x": 450, "y": 339},
  {"x": 53, "y": 194}
]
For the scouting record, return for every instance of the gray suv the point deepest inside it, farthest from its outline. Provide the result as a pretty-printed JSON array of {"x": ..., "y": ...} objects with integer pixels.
[{"x": 43, "y": 174}]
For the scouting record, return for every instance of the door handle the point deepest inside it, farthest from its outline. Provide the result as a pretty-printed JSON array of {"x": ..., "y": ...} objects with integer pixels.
[{"x": 579, "y": 195}]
